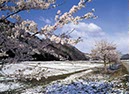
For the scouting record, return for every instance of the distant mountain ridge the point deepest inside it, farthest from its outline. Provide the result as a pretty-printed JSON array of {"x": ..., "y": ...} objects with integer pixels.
[{"x": 125, "y": 57}]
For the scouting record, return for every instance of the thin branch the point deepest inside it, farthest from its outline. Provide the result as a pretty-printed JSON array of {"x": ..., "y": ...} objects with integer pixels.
[
  {"x": 12, "y": 14},
  {"x": 70, "y": 31}
]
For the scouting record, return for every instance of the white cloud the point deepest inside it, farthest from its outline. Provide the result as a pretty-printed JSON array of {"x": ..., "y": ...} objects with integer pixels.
[
  {"x": 91, "y": 33},
  {"x": 84, "y": 29},
  {"x": 88, "y": 44},
  {"x": 47, "y": 21},
  {"x": 121, "y": 40},
  {"x": 93, "y": 27}
]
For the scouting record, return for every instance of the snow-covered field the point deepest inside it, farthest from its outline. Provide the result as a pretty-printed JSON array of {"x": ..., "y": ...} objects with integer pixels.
[
  {"x": 79, "y": 81},
  {"x": 126, "y": 64},
  {"x": 37, "y": 70}
]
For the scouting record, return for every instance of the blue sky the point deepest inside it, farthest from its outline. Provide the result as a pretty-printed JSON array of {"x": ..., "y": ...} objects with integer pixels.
[{"x": 111, "y": 24}]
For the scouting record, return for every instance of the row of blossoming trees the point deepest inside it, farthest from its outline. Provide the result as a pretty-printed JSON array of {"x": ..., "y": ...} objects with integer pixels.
[{"x": 17, "y": 36}]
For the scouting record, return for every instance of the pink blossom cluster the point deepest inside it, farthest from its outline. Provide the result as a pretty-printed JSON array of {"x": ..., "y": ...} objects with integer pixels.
[
  {"x": 58, "y": 39},
  {"x": 25, "y": 4},
  {"x": 105, "y": 51},
  {"x": 12, "y": 7},
  {"x": 66, "y": 18}
]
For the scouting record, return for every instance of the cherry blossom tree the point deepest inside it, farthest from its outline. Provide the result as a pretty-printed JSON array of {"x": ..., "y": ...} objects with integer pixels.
[
  {"x": 18, "y": 38},
  {"x": 10, "y": 11},
  {"x": 106, "y": 52}
]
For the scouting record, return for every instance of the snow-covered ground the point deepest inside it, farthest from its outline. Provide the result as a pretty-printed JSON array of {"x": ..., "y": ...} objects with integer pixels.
[
  {"x": 37, "y": 70},
  {"x": 77, "y": 85},
  {"x": 126, "y": 64},
  {"x": 81, "y": 80},
  {"x": 82, "y": 87}
]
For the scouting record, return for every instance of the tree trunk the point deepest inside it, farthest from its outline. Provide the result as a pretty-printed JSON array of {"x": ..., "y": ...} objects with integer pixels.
[
  {"x": 105, "y": 64},
  {"x": 105, "y": 67}
]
